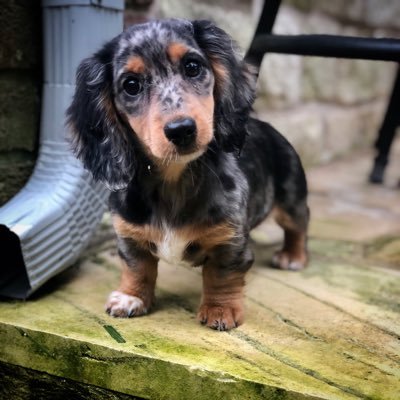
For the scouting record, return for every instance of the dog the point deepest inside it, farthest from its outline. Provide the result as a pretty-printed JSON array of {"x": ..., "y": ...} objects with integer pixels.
[{"x": 161, "y": 115}]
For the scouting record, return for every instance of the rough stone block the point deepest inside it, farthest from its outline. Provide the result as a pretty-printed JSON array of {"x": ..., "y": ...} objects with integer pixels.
[
  {"x": 304, "y": 128},
  {"x": 19, "y": 111},
  {"x": 359, "y": 81},
  {"x": 376, "y": 13},
  {"x": 236, "y": 17},
  {"x": 15, "y": 169},
  {"x": 20, "y": 33},
  {"x": 339, "y": 9},
  {"x": 317, "y": 22},
  {"x": 383, "y": 14},
  {"x": 319, "y": 79},
  {"x": 288, "y": 80},
  {"x": 322, "y": 132},
  {"x": 280, "y": 80},
  {"x": 280, "y": 75},
  {"x": 349, "y": 128}
]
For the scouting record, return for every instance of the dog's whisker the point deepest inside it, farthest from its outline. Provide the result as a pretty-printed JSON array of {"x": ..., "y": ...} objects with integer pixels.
[{"x": 211, "y": 170}]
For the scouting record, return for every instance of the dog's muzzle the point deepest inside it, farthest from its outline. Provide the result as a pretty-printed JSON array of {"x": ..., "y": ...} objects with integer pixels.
[{"x": 181, "y": 132}]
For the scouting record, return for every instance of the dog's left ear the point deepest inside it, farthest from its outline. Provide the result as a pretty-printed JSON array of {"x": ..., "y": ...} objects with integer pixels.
[{"x": 235, "y": 83}]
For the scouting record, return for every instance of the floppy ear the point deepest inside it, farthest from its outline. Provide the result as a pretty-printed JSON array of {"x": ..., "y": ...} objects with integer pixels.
[
  {"x": 99, "y": 136},
  {"x": 234, "y": 90}
]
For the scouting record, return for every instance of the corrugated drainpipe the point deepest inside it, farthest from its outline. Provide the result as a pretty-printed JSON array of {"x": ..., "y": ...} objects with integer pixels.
[{"x": 45, "y": 227}]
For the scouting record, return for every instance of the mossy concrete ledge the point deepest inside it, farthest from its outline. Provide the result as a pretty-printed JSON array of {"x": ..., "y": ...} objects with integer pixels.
[{"x": 325, "y": 333}]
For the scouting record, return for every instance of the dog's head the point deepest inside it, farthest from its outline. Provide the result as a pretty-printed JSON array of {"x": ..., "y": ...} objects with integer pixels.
[{"x": 164, "y": 90}]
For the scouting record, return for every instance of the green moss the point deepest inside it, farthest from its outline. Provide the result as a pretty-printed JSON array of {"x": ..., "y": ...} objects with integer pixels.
[
  {"x": 385, "y": 295},
  {"x": 334, "y": 249},
  {"x": 369, "y": 284},
  {"x": 131, "y": 373},
  {"x": 386, "y": 249},
  {"x": 103, "y": 262},
  {"x": 15, "y": 170}
]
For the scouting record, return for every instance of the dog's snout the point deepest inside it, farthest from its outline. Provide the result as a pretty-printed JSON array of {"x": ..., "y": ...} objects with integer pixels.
[{"x": 181, "y": 132}]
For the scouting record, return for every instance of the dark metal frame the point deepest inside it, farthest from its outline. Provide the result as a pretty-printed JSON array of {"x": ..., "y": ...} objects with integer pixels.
[{"x": 385, "y": 49}]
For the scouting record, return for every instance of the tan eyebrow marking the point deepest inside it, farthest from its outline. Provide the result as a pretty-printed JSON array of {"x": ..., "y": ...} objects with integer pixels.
[
  {"x": 135, "y": 64},
  {"x": 176, "y": 51},
  {"x": 220, "y": 72}
]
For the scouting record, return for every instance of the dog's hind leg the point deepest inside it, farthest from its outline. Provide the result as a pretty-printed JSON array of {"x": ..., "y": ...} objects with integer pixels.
[{"x": 294, "y": 222}]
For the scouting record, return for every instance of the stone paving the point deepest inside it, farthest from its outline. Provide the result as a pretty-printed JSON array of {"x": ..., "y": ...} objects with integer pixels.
[{"x": 331, "y": 331}]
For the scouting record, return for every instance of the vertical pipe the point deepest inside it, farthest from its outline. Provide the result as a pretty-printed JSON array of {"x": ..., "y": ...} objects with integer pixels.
[{"x": 41, "y": 229}]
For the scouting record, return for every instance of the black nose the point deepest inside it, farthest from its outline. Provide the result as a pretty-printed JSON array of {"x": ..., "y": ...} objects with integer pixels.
[{"x": 181, "y": 132}]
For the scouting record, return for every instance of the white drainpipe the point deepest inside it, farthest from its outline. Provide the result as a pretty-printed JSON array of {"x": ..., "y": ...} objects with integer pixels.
[{"x": 45, "y": 227}]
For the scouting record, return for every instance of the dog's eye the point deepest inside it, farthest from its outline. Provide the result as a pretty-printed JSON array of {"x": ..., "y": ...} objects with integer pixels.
[
  {"x": 132, "y": 86},
  {"x": 192, "y": 69}
]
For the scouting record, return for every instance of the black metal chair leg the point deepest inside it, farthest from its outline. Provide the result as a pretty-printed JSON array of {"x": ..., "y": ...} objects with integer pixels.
[
  {"x": 265, "y": 25},
  {"x": 387, "y": 133}
]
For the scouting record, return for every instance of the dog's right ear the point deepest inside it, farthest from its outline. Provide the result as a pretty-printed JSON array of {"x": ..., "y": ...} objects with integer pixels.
[
  {"x": 235, "y": 83},
  {"x": 98, "y": 134}
]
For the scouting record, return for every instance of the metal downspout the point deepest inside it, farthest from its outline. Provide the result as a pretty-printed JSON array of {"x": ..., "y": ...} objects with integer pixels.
[{"x": 45, "y": 227}]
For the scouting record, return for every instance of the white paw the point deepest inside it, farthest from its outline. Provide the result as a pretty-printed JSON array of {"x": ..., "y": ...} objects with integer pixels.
[
  {"x": 283, "y": 260},
  {"x": 124, "y": 306}
]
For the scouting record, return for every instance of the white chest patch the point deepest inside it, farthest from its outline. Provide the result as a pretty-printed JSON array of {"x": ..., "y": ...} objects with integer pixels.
[{"x": 172, "y": 247}]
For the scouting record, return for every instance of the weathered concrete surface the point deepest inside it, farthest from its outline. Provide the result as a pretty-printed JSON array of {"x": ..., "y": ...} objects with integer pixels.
[
  {"x": 306, "y": 335},
  {"x": 346, "y": 207},
  {"x": 329, "y": 332}
]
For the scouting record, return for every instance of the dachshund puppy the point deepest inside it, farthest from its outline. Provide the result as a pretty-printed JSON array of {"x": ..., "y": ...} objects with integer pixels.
[{"x": 161, "y": 116}]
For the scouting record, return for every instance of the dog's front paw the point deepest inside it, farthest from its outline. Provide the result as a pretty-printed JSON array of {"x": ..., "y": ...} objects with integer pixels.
[
  {"x": 124, "y": 306},
  {"x": 284, "y": 260},
  {"x": 221, "y": 318}
]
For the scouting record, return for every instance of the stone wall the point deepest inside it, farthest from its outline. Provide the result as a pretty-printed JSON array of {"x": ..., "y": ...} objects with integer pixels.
[
  {"x": 325, "y": 107},
  {"x": 20, "y": 83}
]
